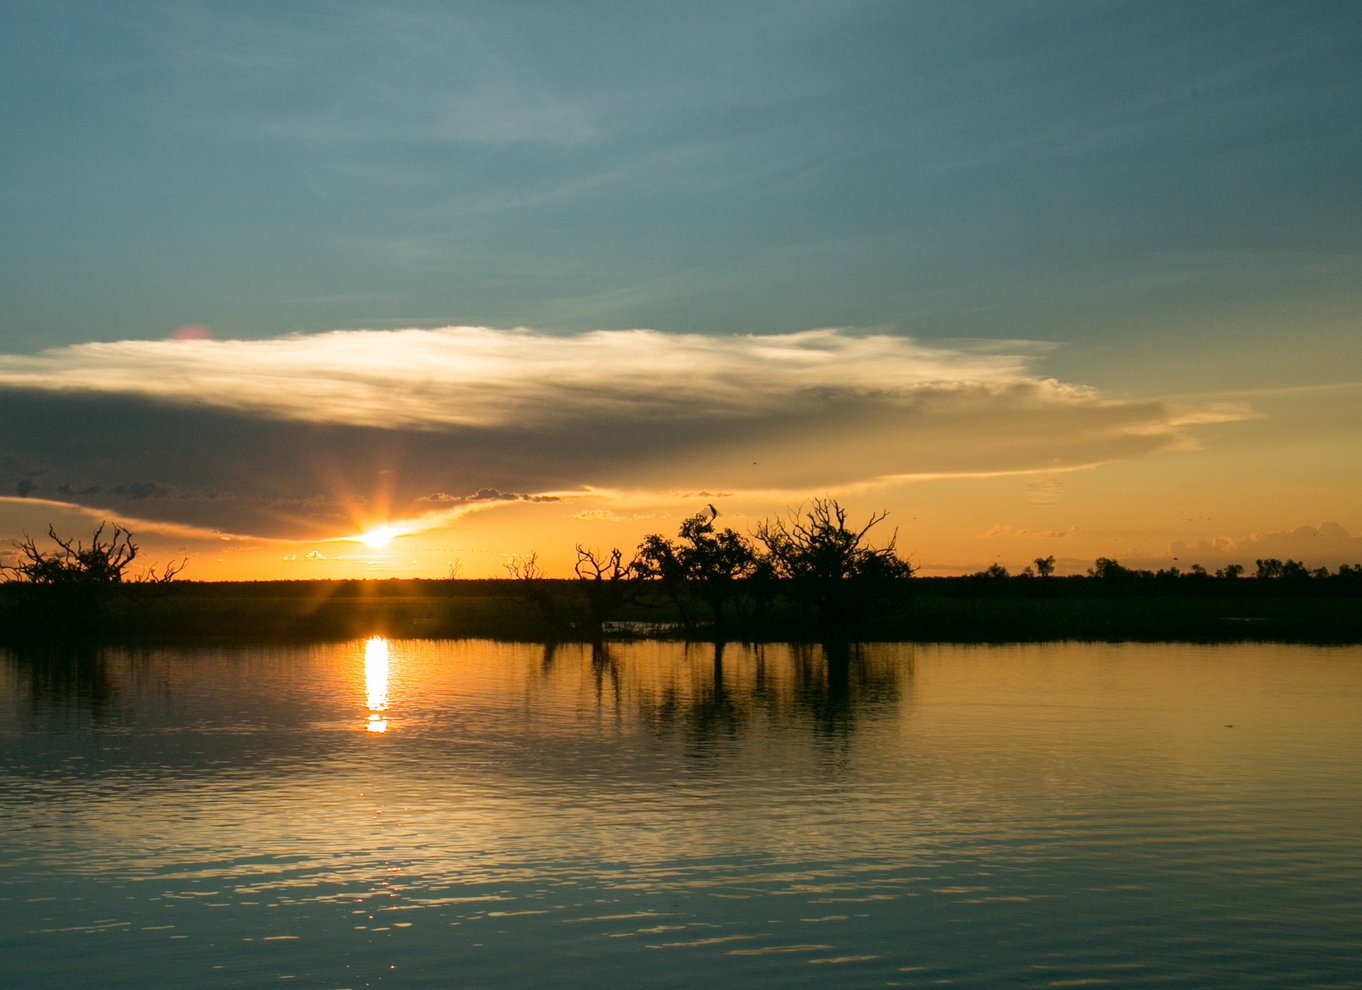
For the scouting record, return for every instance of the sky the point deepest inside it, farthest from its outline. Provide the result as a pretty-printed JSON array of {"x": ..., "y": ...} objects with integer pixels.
[{"x": 492, "y": 279}]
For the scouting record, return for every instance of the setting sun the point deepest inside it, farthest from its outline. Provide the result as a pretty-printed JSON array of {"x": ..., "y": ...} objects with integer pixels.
[{"x": 380, "y": 536}]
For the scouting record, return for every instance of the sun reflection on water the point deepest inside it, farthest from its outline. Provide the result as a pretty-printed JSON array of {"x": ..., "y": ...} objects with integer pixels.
[{"x": 376, "y": 683}]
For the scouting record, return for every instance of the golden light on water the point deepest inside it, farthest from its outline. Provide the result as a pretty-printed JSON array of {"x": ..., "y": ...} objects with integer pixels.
[{"x": 376, "y": 683}]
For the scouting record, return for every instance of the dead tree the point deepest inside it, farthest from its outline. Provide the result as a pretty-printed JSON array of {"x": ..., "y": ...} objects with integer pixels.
[
  {"x": 104, "y": 562},
  {"x": 533, "y": 585},
  {"x": 67, "y": 590},
  {"x": 606, "y": 582}
]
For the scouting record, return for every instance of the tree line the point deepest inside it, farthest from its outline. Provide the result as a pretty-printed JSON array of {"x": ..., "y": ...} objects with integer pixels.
[
  {"x": 1107, "y": 569},
  {"x": 812, "y": 566},
  {"x": 811, "y": 573}
]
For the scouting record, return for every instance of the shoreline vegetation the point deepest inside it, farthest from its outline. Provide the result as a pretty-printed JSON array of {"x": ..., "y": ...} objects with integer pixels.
[
  {"x": 936, "y": 609},
  {"x": 807, "y": 577}
]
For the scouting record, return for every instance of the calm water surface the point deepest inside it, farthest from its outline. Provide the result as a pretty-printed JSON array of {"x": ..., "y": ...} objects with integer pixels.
[{"x": 483, "y": 814}]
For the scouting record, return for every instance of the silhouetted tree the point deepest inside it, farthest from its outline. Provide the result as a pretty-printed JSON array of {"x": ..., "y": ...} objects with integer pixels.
[
  {"x": 1348, "y": 576},
  {"x": 702, "y": 559},
  {"x": 1045, "y": 566},
  {"x": 1271, "y": 568},
  {"x": 659, "y": 562},
  {"x": 71, "y": 584},
  {"x": 104, "y": 562},
  {"x": 833, "y": 573},
  {"x": 534, "y": 587},
  {"x": 604, "y": 580},
  {"x": 1274, "y": 569},
  {"x": 1230, "y": 571},
  {"x": 1107, "y": 569},
  {"x": 1110, "y": 570}
]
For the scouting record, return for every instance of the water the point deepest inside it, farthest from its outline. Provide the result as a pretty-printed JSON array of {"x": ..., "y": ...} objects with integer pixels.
[{"x": 482, "y": 814}]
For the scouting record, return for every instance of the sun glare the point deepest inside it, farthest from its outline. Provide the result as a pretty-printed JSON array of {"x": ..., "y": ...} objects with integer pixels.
[{"x": 380, "y": 536}]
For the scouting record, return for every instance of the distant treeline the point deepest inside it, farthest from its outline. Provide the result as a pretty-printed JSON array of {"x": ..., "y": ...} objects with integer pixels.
[
  {"x": 1269, "y": 569},
  {"x": 809, "y": 576}
]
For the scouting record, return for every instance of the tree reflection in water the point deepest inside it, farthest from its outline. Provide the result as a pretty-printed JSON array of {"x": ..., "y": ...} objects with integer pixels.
[
  {"x": 64, "y": 676},
  {"x": 605, "y": 668},
  {"x": 828, "y": 687},
  {"x": 711, "y": 711}
]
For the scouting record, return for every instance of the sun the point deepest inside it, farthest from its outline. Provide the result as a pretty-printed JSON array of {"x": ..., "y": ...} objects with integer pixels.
[{"x": 379, "y": 536}]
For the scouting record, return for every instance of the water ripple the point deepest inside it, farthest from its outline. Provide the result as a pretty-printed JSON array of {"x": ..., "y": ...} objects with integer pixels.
[{"x": 1053, "y": 815}]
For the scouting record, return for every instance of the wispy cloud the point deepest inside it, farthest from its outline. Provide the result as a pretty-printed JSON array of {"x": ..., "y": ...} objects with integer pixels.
[
  {"x": 486, "y": 495},
  {"x": 1004, "y": 531},
  {"x": 94, "y": 514}
]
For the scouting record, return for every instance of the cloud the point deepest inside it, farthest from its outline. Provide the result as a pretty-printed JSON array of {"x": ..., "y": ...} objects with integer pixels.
[
  {"x": 305, "y": 435},
  {"x": 598, "y": 515},
  {"x": 139, "y": 490},
  {"x": 1004, "y": 531},
  {"x": 1044, "y": 490},
  {"x": 43, "y": 510},
  {"x": 486, "y": 495},
  {"x": 1325, "y": 545},
  {"x": 486, "y": 378}
]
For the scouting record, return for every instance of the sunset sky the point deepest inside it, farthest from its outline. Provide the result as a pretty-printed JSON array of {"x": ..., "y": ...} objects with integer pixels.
[{"x": 1073, "y": 278}]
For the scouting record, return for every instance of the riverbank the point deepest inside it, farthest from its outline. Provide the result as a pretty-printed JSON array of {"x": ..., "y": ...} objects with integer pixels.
[{"x": 960, "y": 610}]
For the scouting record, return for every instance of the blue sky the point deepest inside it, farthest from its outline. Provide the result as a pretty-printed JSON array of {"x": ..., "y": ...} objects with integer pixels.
[
  {"x": 1158, "y": 201},
  {"x": 1013, "y": 170}
]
